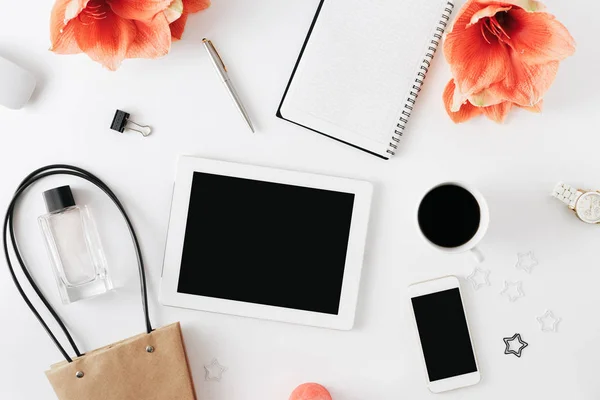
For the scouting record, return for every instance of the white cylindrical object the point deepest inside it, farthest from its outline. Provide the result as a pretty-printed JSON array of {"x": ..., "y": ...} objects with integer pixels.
[{"x": 16, "y": 85}]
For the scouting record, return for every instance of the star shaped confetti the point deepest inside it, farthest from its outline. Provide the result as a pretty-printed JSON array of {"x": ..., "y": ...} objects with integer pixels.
[
  {"x": 511, "y": 345},
  {"x": 479, "y": 278},
  {"x": 513, "y": 290},
  {"x": 548, "y": 322},
  {"x": 214, "y": 371},
  {"x": 526, "y": 261}
]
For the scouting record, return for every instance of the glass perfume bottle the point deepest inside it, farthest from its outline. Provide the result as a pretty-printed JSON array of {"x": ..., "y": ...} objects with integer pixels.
[{"x": 74, "y": 247}]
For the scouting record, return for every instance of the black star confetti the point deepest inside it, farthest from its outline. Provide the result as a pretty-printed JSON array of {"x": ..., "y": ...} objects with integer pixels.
[{"x": 510, "y": 340}]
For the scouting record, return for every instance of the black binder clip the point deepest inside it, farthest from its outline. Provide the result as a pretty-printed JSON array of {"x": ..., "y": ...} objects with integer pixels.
[{"x": 121, "y": 123}]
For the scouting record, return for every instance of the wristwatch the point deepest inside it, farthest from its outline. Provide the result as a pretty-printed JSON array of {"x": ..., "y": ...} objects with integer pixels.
[{"x": 585, "y": 203}]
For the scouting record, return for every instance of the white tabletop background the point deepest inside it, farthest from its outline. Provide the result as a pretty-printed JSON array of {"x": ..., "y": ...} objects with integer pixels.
[{"x": 515, "y": 165}]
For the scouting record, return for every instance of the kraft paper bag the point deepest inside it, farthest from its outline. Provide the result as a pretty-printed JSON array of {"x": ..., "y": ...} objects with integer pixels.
[{"x": 150, "y": 366}]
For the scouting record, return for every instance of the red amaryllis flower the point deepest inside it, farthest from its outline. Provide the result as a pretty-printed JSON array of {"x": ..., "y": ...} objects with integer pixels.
[
  {"x": 502, "y": 53},
  {"x": 187, "y": 7},
  {"x": 109, "y": 31}
]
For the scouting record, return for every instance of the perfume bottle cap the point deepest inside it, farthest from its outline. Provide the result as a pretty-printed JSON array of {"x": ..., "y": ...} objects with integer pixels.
[{"x": 58, "y": 198}]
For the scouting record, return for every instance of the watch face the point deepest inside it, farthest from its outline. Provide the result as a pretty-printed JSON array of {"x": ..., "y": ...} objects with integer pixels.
[{"x": 588, "y": 207}]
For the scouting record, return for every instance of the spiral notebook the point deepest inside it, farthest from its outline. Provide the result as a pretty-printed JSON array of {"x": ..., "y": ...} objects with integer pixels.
[{"x": 361, "y": 69}]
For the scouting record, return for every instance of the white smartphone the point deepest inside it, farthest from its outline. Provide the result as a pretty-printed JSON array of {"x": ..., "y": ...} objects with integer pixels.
[{"x": 443, "y": 333}]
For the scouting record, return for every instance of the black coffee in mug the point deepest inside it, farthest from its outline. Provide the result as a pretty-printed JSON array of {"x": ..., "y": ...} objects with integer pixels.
[{"x": 449, "y": 216}]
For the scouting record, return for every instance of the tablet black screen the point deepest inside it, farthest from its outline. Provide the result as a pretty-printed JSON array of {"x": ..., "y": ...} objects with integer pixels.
[{"x": 266, "y": 243}]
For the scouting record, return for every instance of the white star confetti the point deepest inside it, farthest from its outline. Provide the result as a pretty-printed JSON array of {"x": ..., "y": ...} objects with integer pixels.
[
  {"x": 214, "y": 371},
  {"x": 526, "y": 261},
  {"x": 479, "y": 278},
  {"x": 548, "y": 322},
  {"x": 513, "y": 290}
]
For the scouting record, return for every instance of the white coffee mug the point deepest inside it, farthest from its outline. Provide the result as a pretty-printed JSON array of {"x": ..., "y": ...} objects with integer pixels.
[{"x": 484, "y": 222}]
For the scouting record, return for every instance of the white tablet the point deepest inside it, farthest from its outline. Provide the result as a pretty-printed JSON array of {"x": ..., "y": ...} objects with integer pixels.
[{"x": 265, "y": 243}]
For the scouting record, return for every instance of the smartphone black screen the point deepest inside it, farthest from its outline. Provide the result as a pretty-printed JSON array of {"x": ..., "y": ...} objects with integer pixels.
[{"x": 444, "y": 334}]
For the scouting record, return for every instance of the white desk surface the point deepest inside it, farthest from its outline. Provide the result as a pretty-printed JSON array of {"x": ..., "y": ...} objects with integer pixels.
[{"x": 515, "y": 165}]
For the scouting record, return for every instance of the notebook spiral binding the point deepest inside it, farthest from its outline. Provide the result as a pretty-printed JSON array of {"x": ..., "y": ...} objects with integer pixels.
[{"x": 421, "y": 75}]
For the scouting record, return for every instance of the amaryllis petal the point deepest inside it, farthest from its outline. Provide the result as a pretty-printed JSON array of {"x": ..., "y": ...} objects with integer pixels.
[
  {"x": 485, "y": 98},
  {"x": 475, "y": 64},
  {"x": 65, "y": 42},
  {"x": 140, "y": 10},
  {"x": 178, "y": 26},
  {"x": 73, "y": 8},
  {"x": 527, "y": 5},
  {"x": 153, "y": 38},
  {"x": 525, "y": 84},
  {"x": 62, "y": 35},
  {"x": 488, "y": 11},
  {"x": 194, "y": 6},
  {"x": 466, "y": 12},
  {"x": 104, "y": 39},
  {"x": 458, "y": 99},
  {"x": 538, "y": 37},
  {"x": 466, "y": 111},
  {"x": 498, "y": 112},
  {"x": 535, "y": 108},
  {"x": 189, "y": 7},
  {"x": 174, "y": 11}
]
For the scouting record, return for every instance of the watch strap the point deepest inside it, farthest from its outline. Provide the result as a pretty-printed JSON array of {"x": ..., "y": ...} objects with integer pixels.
[{"x": 567, "y": 194}]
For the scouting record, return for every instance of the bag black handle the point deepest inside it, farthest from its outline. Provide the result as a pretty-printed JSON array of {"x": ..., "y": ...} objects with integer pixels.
[{"x": 8, "y": 227}]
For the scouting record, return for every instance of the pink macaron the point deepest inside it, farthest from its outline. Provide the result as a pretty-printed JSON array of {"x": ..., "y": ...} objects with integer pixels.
[{"x": 310, "y": 391}]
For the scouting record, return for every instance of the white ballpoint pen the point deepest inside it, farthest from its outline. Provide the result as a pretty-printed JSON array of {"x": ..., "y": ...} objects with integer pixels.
[{"x": 222, "y": 71}]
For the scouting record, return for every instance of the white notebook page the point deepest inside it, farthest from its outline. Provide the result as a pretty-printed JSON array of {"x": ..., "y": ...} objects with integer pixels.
[{"x": 361, "y": 59}]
